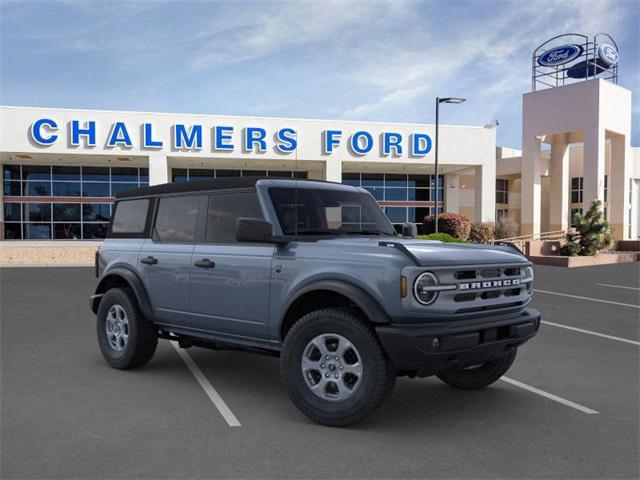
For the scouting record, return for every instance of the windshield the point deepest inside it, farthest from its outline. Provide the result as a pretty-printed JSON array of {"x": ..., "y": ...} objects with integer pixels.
[{"x": 309, "y": 211}]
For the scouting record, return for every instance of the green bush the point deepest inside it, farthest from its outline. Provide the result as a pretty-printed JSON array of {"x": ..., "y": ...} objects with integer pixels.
[
  {"x": 443, "y": 237},
  {"x": 592, "y": 233},
  {"x": 454, "y": 224},
  {"x": 482, "y": 232}
]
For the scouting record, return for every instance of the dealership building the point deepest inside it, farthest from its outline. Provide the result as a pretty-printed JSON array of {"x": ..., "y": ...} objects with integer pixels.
[{"x": 62, "y": 168}]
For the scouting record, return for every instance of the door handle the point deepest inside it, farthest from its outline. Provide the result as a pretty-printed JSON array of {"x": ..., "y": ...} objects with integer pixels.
[
  {"x": 149, "y": 260},
  {"x": 204, "y": 263}
]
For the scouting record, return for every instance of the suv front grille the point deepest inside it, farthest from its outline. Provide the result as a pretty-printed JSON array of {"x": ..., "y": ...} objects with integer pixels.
[{"x": 482, "y": 288}]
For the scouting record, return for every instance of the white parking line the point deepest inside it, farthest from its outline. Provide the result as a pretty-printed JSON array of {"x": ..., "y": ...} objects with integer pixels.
[
  {"x": 213, "y": 395},
  {"x": 616, "y": 286},
  {"x": 590, "y": 332},
  {"x": 551, "y": 396},
  {"x": 600, "y": 300}
]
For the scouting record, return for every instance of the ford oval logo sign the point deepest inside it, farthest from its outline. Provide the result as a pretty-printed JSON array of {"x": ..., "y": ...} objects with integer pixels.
[
  {"x": 560, "y": 55},
  {"x": 608, "y": 54}
]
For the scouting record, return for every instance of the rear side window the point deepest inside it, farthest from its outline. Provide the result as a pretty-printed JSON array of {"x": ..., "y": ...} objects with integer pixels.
[
  {"x": 225, "y": 209},
  {"x": 176, "y": 219},
  {"x": 130, "y": 216}
]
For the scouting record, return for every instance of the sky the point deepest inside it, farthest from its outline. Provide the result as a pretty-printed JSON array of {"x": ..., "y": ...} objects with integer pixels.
[{"x": 351, "y": 60}]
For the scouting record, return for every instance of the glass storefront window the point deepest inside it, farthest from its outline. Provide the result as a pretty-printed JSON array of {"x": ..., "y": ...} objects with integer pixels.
[
  {"x": 66, "y": 173},
  {"x": 69, "y": 231},
  {"x": 95, "y": 174},
  {"x": 11, "y": 172},
  {"x": 118, "y": 187},
  {"x": 57, "y": 218},
  {"x": 13, "y": 231},
  {"x": 124, "y": 174},
  {"x": 66, "y": 212},
  {"x": 37, "y": 189},
  {"x": 12, "y": 212},
  {"x": 12, "y": 189},
  {"x": 95, "y": 189},
  {"x": 94, "y": 230},
  {"x": 92, "y": 212},
  {"x": 37, "y": 231},
  {"x": 66, "y": 189},
  {"x": 36, "y": 172},
  {"x": 37, "y": 212}
]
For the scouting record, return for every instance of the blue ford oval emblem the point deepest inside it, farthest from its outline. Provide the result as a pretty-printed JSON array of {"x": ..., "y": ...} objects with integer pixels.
[
  {"x": 560, "y": 55},
  {"x": 608, "y": 54}
]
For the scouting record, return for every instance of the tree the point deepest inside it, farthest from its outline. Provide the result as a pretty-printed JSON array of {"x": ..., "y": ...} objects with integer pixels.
[{"x": 592, "y": 233}]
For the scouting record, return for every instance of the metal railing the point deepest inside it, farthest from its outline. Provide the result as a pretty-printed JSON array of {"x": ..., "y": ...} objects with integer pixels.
[{"x": 521, "y": 240}]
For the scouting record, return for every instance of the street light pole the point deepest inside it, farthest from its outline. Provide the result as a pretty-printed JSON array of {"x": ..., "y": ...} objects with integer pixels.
[
  {"x": 438, "y": 102},
  {"x": 436, "y": 162}
]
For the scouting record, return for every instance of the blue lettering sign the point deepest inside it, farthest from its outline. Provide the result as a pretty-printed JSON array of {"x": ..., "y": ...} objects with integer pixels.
[
  {"x": 608, "y": 54},
  {"x": 391, "y": 140},
  {"x": 222, "y": 137},
  {"x": 286, "y": 140},
  {"x": 359, "y": 147},
  {"x": 186, "y": 139},
  {"x": 37, "y": 134},
  {"x": 255, "y": 136},
  {"x": 331, "y": 139},
  {"x": 89, "y": 131},
  {"x": 147, "y": 138},
  {"x": 119, "y": 136},
  {"x": 560, "y": 55},
  {"x": 420, "y": 144}
]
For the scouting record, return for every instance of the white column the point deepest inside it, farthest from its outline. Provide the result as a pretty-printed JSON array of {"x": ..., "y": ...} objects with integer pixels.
[
  {"x": 333, "y": 170},
  {"x": 485, "y": 192},
  {"x": 618, "y": 188},
  {"x": 593, "y": 167},
  {"x": 158, "y": 169},
  {"x": 531, "y": 189},
  {"x": 559, "y": 204},
  {"x": 452, "y": 195}
]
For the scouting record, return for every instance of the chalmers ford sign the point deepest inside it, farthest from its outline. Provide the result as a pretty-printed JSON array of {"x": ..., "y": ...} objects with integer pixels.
[{"x": 221, "y": 138}]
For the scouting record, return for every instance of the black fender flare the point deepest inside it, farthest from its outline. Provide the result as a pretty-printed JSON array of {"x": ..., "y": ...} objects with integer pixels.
[
  {"x": 133, "y": 281},
  {"x": 363, "y": 300}
]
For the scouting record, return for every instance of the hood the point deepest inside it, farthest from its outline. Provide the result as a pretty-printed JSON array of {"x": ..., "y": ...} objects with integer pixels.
[{"x": 435, "y": 253}]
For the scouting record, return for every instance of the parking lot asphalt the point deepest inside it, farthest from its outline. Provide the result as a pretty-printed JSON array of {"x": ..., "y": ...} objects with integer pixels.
[{"x": 66, "y": 414}]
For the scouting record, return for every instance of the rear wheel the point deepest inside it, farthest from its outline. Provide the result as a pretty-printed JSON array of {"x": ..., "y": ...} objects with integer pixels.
[
  {"x": 126, "y": 338},
  {"x": 479, "y": 376},
  {"x": 334, "y": 368}
]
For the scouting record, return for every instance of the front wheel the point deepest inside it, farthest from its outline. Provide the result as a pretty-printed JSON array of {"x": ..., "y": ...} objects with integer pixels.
[
  {"x": 479, "y": 376},
  {"x": 334, "y": 368}
]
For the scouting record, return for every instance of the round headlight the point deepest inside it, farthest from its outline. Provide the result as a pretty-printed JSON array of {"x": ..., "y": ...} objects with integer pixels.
[
  {"x": 424, "y": 288},
  {"x": 528, "y": 275}
]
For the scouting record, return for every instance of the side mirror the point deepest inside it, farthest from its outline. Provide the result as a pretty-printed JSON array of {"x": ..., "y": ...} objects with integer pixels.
[
  {"x": 409, "y": 230},
  {"x": 253, "y": 230}
]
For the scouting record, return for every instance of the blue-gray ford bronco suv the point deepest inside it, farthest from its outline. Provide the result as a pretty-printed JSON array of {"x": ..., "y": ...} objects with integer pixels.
[{"x": 314, "y": 273}]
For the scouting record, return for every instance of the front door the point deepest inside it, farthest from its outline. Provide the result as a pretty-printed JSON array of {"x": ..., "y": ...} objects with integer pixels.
[
  {"x": 230, "y": 282},
  {"x": 165, "y": 260}
]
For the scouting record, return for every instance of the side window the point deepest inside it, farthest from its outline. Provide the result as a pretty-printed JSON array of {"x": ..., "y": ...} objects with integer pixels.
[
  {"x": 176, "y": 219},
  {"x": 225, "y": 209},
  {"x": 130, "y": 216}
]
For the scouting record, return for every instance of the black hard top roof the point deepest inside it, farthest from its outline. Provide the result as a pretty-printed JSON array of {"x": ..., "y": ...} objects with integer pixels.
[{"x": 203, "y": 186}]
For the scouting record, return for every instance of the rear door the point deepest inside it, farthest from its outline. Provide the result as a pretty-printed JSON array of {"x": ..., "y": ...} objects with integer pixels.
[
  {"x": 230, "y": 282},
  {"x": 165, "y": 259}
]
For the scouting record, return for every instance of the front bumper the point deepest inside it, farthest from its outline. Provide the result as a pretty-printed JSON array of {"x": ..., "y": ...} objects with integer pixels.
[{"x": 428, "y": 349}]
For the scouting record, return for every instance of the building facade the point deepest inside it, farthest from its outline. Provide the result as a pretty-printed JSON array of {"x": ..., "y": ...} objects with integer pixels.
[{"x": 63, "y": 168}]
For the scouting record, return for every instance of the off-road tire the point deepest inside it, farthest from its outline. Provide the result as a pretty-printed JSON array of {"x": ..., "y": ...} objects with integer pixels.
[
  {"x": 142, "y": 335},
  {"x": 378, "y": 376},
  {"x": 480, "y": 377}
]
